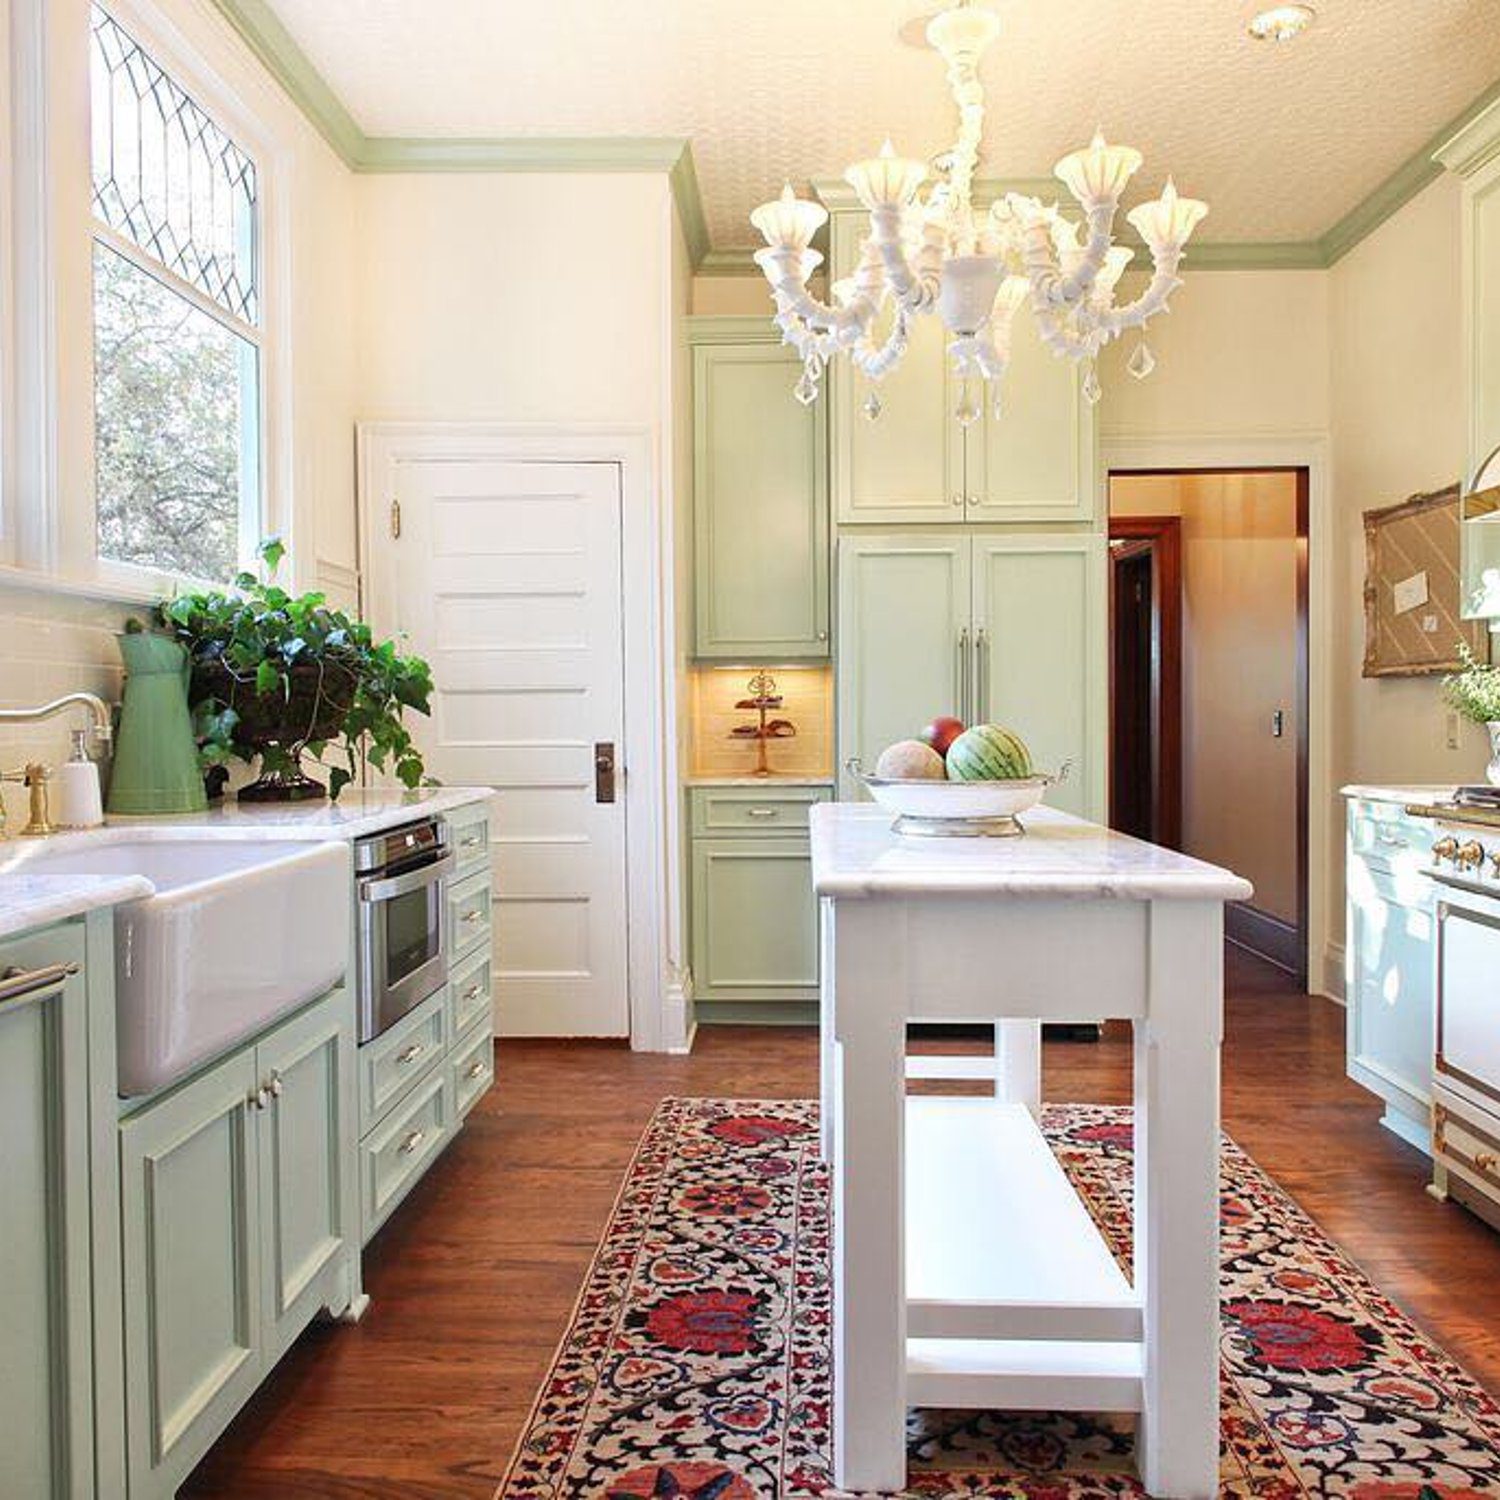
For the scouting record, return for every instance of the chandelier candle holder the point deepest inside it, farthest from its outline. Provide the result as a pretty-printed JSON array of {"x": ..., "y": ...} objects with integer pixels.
[{"x": 930, "y": 252}]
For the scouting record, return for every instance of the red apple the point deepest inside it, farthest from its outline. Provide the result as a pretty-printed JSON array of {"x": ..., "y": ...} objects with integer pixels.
[{"x": 941, "y": 733}]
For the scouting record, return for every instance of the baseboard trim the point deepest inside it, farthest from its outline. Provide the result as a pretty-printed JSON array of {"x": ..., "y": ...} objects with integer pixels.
[
  {"x": 757, "y": 1012},
  {"x": 1333, "y": 973},
  {"x": 1266, "y": 936}
]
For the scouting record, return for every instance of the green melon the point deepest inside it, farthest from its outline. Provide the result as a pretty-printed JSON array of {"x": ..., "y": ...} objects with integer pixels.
[{"x": 988, "y": 753}]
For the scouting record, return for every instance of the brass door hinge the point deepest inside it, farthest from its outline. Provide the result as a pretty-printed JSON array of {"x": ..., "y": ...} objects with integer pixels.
[{"x": 395, "y": 519}]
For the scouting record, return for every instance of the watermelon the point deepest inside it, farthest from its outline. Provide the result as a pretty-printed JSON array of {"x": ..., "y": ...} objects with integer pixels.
[{"x": 988, "y": 753}]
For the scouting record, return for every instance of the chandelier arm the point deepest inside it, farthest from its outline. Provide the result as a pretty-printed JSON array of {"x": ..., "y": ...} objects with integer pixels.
[
  {"x": 877, "y": 360},
  {"x": 1060, "y": 339},
  {"x": 1164, "y": 282}
]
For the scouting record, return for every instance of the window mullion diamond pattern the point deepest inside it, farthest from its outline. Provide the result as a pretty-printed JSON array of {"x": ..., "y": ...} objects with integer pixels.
[{"x": 167, "y": 178}]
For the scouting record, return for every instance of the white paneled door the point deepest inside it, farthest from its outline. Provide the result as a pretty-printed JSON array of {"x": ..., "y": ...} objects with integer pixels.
[{"x": 506, "y": 577}]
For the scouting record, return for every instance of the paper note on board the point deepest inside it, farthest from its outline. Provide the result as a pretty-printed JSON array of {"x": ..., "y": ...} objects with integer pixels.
[{"x": 1409, "y": 593}]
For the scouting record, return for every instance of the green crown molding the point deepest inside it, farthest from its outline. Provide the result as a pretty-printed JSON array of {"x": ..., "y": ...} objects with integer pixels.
[{"x": 1468, "y": 139}]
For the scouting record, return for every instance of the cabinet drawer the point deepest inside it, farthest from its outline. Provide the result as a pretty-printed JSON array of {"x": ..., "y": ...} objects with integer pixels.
[
  {"x": 1467, "y": 1141},
  {"x": 469, "y": 985},
  {"x": 729, "y": 810},
  {"x": 473, "y": 1069},
  {"x": 397, "y": 1154},
  {"x": 468, "y": 915},
  {"x": 1382, "y": 835},
  {"x": 391, "y": 1064},
  {"x": 469, "y": 830}
]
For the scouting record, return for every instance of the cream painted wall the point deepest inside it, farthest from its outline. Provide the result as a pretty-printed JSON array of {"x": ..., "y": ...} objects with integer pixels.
[
  {"x": 1398, "y": 409},
  {"x": 473, "y": 307},
  {"x": 1239, "y": 665},
  {"x": 58, "y": 641}
]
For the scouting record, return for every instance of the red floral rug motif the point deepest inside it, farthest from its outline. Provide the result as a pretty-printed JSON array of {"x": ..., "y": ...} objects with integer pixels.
[{"x": 697, "y": 1367}]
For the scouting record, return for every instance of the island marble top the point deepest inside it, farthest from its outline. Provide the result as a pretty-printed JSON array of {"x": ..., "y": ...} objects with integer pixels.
[
  {"x": 30, "y": 900},
  {"x": 856, "y": 853}
]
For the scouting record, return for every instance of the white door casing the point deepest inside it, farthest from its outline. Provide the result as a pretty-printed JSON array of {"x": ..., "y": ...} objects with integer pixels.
[{"x": 506, "y": 575}]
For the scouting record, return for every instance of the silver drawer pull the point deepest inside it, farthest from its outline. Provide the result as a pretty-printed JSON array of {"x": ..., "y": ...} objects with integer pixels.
[
  {"x": 476, "y": 1068},
  {"x": 410, "y": 1054},
  {"x": 470, "y": 917},
  {"x": 473, "y": 992},
  {"x": 274, "y": 1085},
  {"x": 16, "y": 984},
  {"x": 1390, "y": 840},
  {"x": 472, "y": 841},
  {"x": 412, "y": 1141},
  {"x": 760, "y": 812}
]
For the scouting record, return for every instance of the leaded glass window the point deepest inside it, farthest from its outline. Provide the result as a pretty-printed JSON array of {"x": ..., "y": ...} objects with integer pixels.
[
  {"x": 177, "y": 343},
  {"x": 167, "y": 178}
]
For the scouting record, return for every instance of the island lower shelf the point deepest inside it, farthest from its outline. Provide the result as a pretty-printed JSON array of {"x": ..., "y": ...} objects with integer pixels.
[{"x": 1014, "y": 1300}]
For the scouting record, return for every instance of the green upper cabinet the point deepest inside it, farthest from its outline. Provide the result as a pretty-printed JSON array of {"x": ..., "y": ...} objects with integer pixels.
[
  {"x": 760, "y": 502},
  {"x": 915, "y": 463}
]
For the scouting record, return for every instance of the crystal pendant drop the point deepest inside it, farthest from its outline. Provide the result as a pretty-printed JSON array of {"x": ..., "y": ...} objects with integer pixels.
[
  {"x": 1142, "y": 362},
  {"x": 1092, "y": 390},
  {"x": 968, "y": 410},
  {"x": 997, "y": 408},
  {"x": 806, "y": 389},
  {"x": 872, "y": 407}
]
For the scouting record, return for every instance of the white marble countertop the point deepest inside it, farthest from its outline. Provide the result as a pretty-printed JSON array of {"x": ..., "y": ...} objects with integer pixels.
[
  {"x": 30, "y": 900},
  {"x": 855, "y": 853},
  {"x": 1423, "y": 796},
  {"x": 776, "y": 778}
]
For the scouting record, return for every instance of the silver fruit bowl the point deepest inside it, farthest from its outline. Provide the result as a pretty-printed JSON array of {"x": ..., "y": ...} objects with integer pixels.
[{"x": 928, "y": 808}]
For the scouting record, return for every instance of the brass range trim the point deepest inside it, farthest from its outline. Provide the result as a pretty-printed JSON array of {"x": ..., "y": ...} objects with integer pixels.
[{"x": 1451, "y": 812}]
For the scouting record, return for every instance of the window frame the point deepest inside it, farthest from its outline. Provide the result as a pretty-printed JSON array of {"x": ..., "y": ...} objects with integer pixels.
[
  {"x": 208, "y": 95},
  {"x": 65, "y": 546}
]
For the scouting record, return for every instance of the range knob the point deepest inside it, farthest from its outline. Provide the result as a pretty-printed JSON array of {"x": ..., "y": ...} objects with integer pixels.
[
  {"x": 1470, "y": 855},
  {"x": 1495, "y": 864},
  {"x": 1445, "y": 848}
]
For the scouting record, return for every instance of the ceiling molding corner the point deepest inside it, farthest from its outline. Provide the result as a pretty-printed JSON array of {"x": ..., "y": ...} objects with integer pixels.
[
  {"x": 739, "y": 262},
  {"x": 259, "y": 27},
  {"x": 683, "y": 177}
]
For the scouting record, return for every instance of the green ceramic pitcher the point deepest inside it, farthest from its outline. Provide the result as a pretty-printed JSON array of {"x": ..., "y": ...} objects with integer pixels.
[{"x": 156, "y": 754}]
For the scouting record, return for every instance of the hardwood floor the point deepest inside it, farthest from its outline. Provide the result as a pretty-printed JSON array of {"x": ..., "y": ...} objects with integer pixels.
[{"x": 474, "y": 1279}]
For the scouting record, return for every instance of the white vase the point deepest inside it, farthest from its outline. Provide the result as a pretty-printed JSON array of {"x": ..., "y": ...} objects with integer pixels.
[{"x": 1492, "y": 771}]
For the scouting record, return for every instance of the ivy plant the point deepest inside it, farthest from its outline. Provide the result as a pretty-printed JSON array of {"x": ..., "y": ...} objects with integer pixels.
[{"x": 254, "y": 647}]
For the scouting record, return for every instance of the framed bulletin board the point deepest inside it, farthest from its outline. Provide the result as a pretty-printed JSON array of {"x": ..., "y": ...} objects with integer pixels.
[{"x": 1412, "y": 620}]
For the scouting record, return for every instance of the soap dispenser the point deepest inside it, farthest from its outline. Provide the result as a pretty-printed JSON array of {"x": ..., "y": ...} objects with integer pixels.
[{"x": 79, "y": 803}]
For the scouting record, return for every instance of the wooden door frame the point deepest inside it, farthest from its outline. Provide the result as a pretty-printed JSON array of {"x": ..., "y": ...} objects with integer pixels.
[
  {"x": 1306, "y": 454},
  {"x": 1164, "y": 534},
  {"x": 660, "y": 1019}
]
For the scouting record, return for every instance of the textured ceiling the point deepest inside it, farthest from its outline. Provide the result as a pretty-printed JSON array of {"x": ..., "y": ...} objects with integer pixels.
[{"x": 1282, "y": 140}]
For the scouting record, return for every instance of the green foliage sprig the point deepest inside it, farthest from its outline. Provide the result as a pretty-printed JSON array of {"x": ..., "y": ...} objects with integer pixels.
[
  {"x": 258, "y": 634},
  {"x": 1474, "y": 690}
]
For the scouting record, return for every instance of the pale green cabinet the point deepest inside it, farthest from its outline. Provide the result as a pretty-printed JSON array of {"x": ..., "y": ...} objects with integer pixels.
[
  {"x": 45, "y": 1347},
  {"x": 754, "y": 915},
  {"x": 1001, "y": 628},
  {"x": 916, "y": 464},
  {"x": 760, "y": 502},
  {"x": 236, "y": 1218}
]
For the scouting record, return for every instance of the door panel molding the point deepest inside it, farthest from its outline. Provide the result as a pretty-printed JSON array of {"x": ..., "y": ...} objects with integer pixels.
[{"x": 649, "y": 754}]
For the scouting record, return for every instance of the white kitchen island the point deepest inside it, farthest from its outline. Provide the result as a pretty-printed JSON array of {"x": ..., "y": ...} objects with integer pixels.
[{"x": 966, "y": 1271}]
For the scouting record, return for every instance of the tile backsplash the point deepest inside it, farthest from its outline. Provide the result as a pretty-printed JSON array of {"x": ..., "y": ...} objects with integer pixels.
[
  {"x": 50, "y": 644},
  {"x": 807, "y": 700}
]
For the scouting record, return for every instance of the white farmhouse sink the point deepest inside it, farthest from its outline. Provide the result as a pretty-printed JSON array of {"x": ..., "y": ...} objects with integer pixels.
[{"x": 236, "y": 934}]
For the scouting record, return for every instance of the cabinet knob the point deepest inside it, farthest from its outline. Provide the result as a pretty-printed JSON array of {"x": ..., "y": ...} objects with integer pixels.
[
  {"x": 822, "y": 635},
  {"x": 1484, "y": 1161},
  {"x": 473, "y": 992},
  {"x": 476, "y": 1068},
  {"x": 412, "y": 1141},
  {"x": 958, "y": 501},
  {"x": 410, "y": 1054},
  {"x": 274, "y": 1086}
]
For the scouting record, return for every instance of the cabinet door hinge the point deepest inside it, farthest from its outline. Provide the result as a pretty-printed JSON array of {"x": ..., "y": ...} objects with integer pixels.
[{"x": 395, "y": 519}]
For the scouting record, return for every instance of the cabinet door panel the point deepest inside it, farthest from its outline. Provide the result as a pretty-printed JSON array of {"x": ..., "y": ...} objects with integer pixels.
[
  {"x": 760, "y": 504},
  {"x": 908, "y": 464},
  {"x": 1039, "y": 616},
  {"x": 754, "y": 920},
  {"x": 903, "y": 618},
  {"x": 192, "y": 1270},
  {"x": 44, "y": 1287},
  {"x": 1035, "y": 462},
  {"x": 306, "y": 1193}
]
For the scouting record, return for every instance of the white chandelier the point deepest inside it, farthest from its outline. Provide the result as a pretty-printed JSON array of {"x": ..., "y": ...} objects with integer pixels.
[{"x": 930, "y": 252}]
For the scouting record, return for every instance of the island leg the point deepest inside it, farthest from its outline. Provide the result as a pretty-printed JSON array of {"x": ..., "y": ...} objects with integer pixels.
[
  {"x": 1177, "y": 1199},
  {"x": 1018, "y": 1064},
  {"x": 868, "y": 999},
  {"x": 827, "y": 1043}
]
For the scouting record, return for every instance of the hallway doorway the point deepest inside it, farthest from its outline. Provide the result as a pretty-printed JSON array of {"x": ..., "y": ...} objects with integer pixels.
[{"x": 1208, "y": 683}]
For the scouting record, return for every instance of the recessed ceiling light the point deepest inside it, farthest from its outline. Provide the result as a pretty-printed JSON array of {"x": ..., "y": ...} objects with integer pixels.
[{"x": 1282, "y": 22}]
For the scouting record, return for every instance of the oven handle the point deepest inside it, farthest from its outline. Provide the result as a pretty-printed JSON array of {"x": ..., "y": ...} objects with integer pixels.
[{"x": 408, "y": 881}]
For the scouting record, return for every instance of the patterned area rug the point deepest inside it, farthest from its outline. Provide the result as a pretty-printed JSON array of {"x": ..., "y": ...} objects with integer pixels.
[{"x": 697, "y": 1363}]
